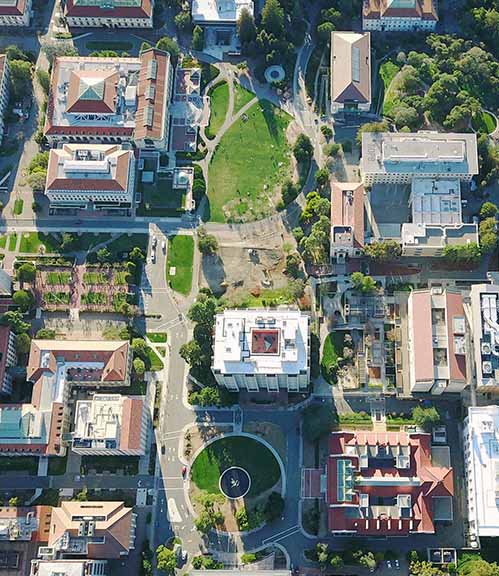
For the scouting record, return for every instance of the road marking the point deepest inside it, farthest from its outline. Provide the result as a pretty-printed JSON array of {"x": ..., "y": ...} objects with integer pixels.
[
  {"x": 173, "y": 514},
  {"x": 282, "y": 535}
]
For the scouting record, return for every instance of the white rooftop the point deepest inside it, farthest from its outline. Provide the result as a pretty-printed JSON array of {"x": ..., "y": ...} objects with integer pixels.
[
  {"x": 261, "y": 341},
  {"x": 436, "y": 201},
  {"x": 483, "y": 446},
  {"x": 219, "y": 10},
  {"x": 17, "y": 528},
  {"x": 485, "y": 309},
  {"x": 67, "y": 567}
]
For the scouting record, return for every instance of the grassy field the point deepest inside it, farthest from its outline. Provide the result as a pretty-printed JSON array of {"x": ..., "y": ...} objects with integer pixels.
[
  {"x": 31, "y": 242},
  {"x": 126, "y": 243},
  {"x": 155, "y": 362},
  {"x": 219, "y": 102},
  {"x": 3, "y": 241},
  {"x": 250, "y": 454},
  {"x": 12, "y": 242},
  {"x": 394, "y": 89},
  {"x": 180, "y": 256},
  {"x": 94, "y": 278},
  {"x": 484, "y": 122},
  {"x": 58, "y": 278},
  {"x": 333, "y": 349},
  {"x": 157, "y": 337},
  {"x": 266, "y": 297},
  {"x": 18, "y": 207},
  {"x": 88, "y": 241},
  {"x": 160, "y": 199},
  {"x": 241, "y": 96},
  {"x": 387, "y": 71},
  {"x": 252, "y": 154}
]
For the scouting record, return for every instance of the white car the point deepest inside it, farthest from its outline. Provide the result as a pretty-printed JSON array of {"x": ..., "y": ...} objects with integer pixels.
[
  {"x": 389, "y": 564},
  {"x": 397, "y": 564},
  {"x": 163, "y": 246},
  {"x": 154, "y": 241}
]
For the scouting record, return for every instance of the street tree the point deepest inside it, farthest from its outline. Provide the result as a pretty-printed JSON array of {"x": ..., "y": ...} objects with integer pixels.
[
  {"x": 14, "y": 319},
  {"x": 246, "y": 29},
  {"x": 26, "y": 272},
  {"x": 318, "y": 420},
  {"x": 166, "y": 560},
  {"x": 425, "y": 418},
  {"x": 488, "y": 210},
  {"x": 197, "y": 42},
  {"x": 207, "y": 243},
  {"x": 24, "y": 299},
  {"x": 273, "y": 18},
  {"x": 139, "y": 366},
  {"x": 23, "y": 343}
]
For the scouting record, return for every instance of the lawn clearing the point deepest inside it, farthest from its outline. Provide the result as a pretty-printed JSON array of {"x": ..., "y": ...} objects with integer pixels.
[
  {"x": 12, "y": 242},
  {"x": 126, "y": 243},
  {"x": 116, "y": 46},
  {"x": 219, "y": 103},
  {"x": 155, "y": 361},
  {"x": 241, "y": 97},
  {"x": 31, "y": 243},
  {"x": 387, "y": 72},
  {"x": 332, "y": 351},
  {"x": 58, "y": 278},
  {"x": 161, "y": 199},
  {"x": 56, "y": 297},
  {"x": 3, "y": 241},
  {"x": 18, "y": 207},
  {"x": 252, "y": 154},
  {"x": 88, "y": 241},
  {"x": 94, "y": 298},
  {"x": 180, "y": 257},
  {"x": 247, "y": 453},
  {"x": 157, "y": 337},
  {"x": 483, "y": 122},
  {"x": 94, "y": 278}
]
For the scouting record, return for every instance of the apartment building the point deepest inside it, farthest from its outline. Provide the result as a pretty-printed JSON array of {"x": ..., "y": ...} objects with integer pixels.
[
  {"x": 386, "y": 484},
  {"x": 438, "y": 341},
  {"x": 8, "y": 358},
  {"x": 347, "y": 219},
  {"x": 93, "y": 530},
  {"x": 90, "y": 177},
  {"x": 109, "y": 13},
  {"x": 485, "y": 313},
  {"x": 481, "y": 471},
  {"x": 437, "y": 219},
  {"x": 350, "y": 71},
  {"x": 262, "y": 350},
  {"x": 110, "y": 425},
  {"x": 111, "y": 100},
  {"x": 15, "y": 13},
  {"x": 24, "y": 524},
  {"x": 4, "y": 91},
  {"x": 68, "y": 568},
  {"x": 398, "y": 157},
  {"x": 399, "y": 15}
]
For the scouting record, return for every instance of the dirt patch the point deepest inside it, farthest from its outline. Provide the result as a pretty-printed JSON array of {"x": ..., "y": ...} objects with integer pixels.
[
  {"x": 270, "y": 432},
  {"x": 235, "y": 271},
  {"x": 196, "y": 436}
]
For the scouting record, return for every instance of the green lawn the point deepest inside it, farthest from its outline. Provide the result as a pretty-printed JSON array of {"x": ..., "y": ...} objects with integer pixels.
[
  {"x": 125, "y": 243},
  {"x": 157, "y": 337},
  {"x": 241, "y": 96},
  {"x": 333, "y": 349},
  {"x": 88, "y": 241},
  {"x": 219, "y": 103},
  {"x": 253, "y": 153},
  {"x": 180, "y": 256},
  {"x": 58, "y": 278},
  {"x": 484, "y": 122},
  {"x": 56, "y": 297},
  {"x": 31, "y": 242},
  {"x": 94, "y": 278},
  {"x": 394, "y": 90},
  {"x": 155, "y": 362},
  {"x": 112, "y": 45},
  {"x": 267, "y": 296},
  {"x": 250, "y": 454},
  {"x": 120, "y": 277},
  {"x": 94, "y": 298},
  {"x": 18, "y": 207},
  {"x": 160, "y": 199},
  {"x": 12, "y": 242},
  {"x": 387, "y": 71},
  {"x": 3, "y": 241}
]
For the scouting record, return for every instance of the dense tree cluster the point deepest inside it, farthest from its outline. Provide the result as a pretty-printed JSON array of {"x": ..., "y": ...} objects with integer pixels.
[{"x": 383, "y": 251}]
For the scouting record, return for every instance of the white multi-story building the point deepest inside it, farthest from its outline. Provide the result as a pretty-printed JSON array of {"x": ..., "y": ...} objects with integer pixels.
[
  {"x": 262, "y": 350},
  {"x": 109, "y": 13},
  {"x": 437, "y": 219},
  {"x": 438, "y": 341},
  {"x": 350, "y": 71},
  {"x": 485, "y": 312},
  {"x": 90, "y": 176},
  {"x": 8, "y": 358},
  {"x": 220, "y": 17},
  {"x": 398, "y": 157},
  {"x": 15, "y": 13},
  {"x": 481, "y": 471},
  {"x": 110, "y": 425},
  {"x": 111, "y": 100},
  {"x": 399, "y": 15},
  {"x": 4, "y": 91},
  {"x": 68, "y": 568}
]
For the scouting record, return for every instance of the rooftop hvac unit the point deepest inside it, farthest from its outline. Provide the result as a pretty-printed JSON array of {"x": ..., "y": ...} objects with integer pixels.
[
  {"x": 487, "y": 367},
  {"x": 486, "y": 349}
]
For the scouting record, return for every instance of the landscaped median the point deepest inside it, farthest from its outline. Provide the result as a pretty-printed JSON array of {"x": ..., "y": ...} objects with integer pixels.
[{"x": 179, "y": 263}]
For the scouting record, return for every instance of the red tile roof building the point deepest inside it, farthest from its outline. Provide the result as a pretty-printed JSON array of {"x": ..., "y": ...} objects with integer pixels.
[
  {"x": 104, "y": 100},
  {"x": 109, "y": 13},
  {"x": 399, "y": 15},
  {"x": 15, "y": 12},
  {"x": 385, "y": 484},
  {"x": 347, "y": 219}
]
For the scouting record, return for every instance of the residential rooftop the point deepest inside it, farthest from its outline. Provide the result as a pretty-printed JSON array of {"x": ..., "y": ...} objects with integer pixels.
[
  {"x": 261, "y": 341},
  {"x": 421, "y": 153}
]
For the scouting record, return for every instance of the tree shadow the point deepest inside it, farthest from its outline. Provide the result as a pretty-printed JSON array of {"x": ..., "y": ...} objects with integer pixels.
[{"x": 214, "y": 272}]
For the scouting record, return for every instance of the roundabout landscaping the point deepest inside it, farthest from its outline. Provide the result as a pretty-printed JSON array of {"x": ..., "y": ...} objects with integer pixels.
[{"x": 240, "y": 473}]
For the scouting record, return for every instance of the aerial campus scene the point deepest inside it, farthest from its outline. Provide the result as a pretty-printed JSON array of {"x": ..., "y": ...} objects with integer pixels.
[{"x": 249, "y": 287}]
